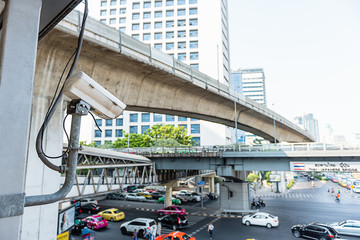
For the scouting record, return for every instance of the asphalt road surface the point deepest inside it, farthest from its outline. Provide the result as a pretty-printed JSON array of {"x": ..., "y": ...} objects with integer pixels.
[{"x": 302, "y": 205}]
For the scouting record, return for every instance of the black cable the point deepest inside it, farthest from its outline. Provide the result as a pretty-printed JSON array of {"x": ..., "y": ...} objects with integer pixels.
[
  {"x": 95, "y": 121},
  {"x": 51, "y": 111}
]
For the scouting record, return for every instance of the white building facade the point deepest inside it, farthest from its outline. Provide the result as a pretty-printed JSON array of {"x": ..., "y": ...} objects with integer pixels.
[
  {"x": 310, "y": 124},
  {"x": 251, "y": 83},
  {"x": 192, "y": 31}
]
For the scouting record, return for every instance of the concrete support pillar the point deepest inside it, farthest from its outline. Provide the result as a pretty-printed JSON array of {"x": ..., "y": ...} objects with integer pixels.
[
  {"x": 211, "y": 185},
  {"x": 168, "y": 195}
]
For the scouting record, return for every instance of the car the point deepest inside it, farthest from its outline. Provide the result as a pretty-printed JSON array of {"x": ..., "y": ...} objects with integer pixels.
[
  {"x": 173, "y": 200},
  {"x": 348, "y": 227},
  {"x": 185, "y": 191},
  {"x": 175, "y": 236},
  {"x": 150, "y": 190},
  {"x": 134, "y": 197},
  {"x": 261, "y": 219},
  {"x": 138, "y": 224},
  {"x": 171, "y": 210},
  {"x": 174, "y": 221},
  {"x": 85, "y": 201},
  {"x": 189, "y": 196},
  {"x": 79, "y": 224},
  {"x": 314, "y": 231},
  {"x": 334, "y": 179},
  {"x": 157, "y": 195},
  {"x": 96, "y": 222},
  {"x": 90, "y": 208},
  {"x": 145, "y": 194},
  {"x": 356, "y": 189},
  {"x": 112, "y": 214},
  {"x": 115, "y": 196}
]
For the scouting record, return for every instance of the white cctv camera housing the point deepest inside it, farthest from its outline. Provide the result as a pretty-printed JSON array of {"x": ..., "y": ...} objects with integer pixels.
[{"x": 103, "y": 103}]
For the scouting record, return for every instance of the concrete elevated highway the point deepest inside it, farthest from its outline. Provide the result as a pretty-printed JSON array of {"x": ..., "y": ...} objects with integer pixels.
[{"x": 149, "y": 80}]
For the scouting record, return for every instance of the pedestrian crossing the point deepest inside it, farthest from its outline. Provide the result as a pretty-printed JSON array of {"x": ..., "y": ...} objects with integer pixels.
[
  {"x": 191, "y": 219},
  {"x": 299, "y": 196}
]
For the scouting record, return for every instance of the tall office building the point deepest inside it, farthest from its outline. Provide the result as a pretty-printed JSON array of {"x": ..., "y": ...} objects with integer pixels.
[
  {"x": 251, "y": 83},
  {"x": 192, "y": 31},
  {"x": 310, "y": 124}
]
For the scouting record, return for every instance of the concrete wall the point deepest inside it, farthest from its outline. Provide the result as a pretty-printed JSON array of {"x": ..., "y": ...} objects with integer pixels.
[{"x": 240, "y": 199}]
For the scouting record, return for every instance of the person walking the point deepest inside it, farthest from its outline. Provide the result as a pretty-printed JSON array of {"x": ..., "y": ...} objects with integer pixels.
[
  {"x": 158, "y": 230},
  {"x": 134, "y": 237},
  {"x": 211, "y": 230}
]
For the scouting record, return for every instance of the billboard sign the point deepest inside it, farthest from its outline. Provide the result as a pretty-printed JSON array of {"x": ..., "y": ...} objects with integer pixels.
[
  {"x": 66, "y": 219},
  {"x": 325, "y": 166},
  {"x": 274, "y": 178}
]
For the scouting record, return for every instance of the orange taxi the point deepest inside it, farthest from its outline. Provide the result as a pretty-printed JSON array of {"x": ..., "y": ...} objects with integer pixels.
[{"x": 175, "y": 235}]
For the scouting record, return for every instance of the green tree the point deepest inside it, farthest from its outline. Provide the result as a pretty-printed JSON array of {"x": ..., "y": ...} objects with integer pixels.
[
  {"x": 136, "y": 140},
  {"x": 92, "y": 144},
  {"x": 164, "y": 132},
  {"x": 251, "y": 177}
]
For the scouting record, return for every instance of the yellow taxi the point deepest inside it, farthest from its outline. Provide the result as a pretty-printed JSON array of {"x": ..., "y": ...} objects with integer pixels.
[
  {"x": 145, "y": 194},
  {"x": 112, "y": 214}
]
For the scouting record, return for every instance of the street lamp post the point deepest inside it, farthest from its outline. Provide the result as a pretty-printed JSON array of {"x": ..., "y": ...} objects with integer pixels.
[
  {"x": 274, "y": 125},
  {"x": 236, "y": 129}
]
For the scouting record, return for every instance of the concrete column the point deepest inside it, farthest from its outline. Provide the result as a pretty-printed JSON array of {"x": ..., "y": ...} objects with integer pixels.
[
  {"x": 19, "y": 38},
  {"x": 168, "y": 195},
  {"x": 211, "y": 185}
]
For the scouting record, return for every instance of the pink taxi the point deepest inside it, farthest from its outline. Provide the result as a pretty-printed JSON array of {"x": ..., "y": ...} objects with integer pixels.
[
  {"x": 171, "y": 210},
  {"x": 95, "y": 222}
]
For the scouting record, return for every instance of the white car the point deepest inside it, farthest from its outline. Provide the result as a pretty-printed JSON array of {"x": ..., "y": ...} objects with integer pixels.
[
  {"x": 134, "y": 197},
  {"x": 140, "y": 224},
  {"x": 261, "y": 219},
  {"x": 356, "y": 189},
  {"x": 85, "y": 201},
  {"x": 189, "y": 197},
  {"x": 184, "y": 191},
  {"x": 348, "y": 227}
]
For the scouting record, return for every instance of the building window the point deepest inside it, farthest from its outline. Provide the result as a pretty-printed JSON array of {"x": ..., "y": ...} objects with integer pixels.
[
  {"x": 194, "y": 56},
  {"x": 134, "y": 129},
  {"x": 195, "y": 128},
  {"x": 158, "y": 25},
  {"x": 196, "y": 141},
  {"x": 112, "y": 20},
  {"x": 112, "y": 11},
  {"x": 184, "y": 126},
  {"x": 181, "y": 12},
  {"x": 135, "y": 36},
  {"x": 136, "y": 16},
  {"x": 122, "y": 10},
  {"x": 147, "y": 15},
  {"x": 194, "y": 44},
  {"x": 146, "y": 36},
  {"x": 108, "y": 122},
  {"x": 182, "y": 119},
  {"x": 158, "y": 3},
  {"x": 103, "y": 3},
  {"x": 97, "y": 133},
  {"x": 181, "y": 45},
  {"x": 136, "y": 5},
  {"x": 103, "y": 13},
  {"x": 108, "y": 133},
  {"x": 145, "y": 117},
  {"x": 158, "y": 35},
  {"x": 181, "y": 23},
  {"x": 193, "y": 11},
  {"x": 133, "y": 117},
  {"x": 157, "y": 117},
  {"x": 122, "y": 2},
  {"x": 169, "y": 13},
  {"x": 158, "y": 46},
  {"x": 145, "y": 128},
  {"x": 169, "y": 2},
  {"x": 170, "y": 118},
  {"x": 147, "y": 4},
  {"x": 119, "y": 122},
  {"x": 122, "y": 20},
  {"x": 195, "y": 66},
  {"x": 181, "y": 34},
  {"x": 169, "y": 24},
  {"x": 123, "y": 29},
  {"x": 171, "y": 55},
  {"x": 118, "y": 133},
  {"x": 169, "y": 35},
  {"x": 193, "y": 33},
  {"x": 181, "y": 56},
  {"x": 158, "y": 14},
  {"x": 146, "y": 26},
  {"x": 98, "y": 143},
  {"x": 113, "y": 2},
  {"x": 181, "y": 2},
  {"x": 169, "y": 46},
  {"x": 194, "y": 119},
  {"x": 103, "y": 21},
  {"x": 192, "y": 1},
  {"x": 135, "y": 26},
  {"x": 193, "y": 22},
  {"x": 99, "y": 122}
]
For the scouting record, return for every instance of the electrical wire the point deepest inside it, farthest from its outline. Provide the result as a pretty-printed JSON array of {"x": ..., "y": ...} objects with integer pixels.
[
  {"x": 53, "y": 105},
  {"x": 95, "y": 121}
]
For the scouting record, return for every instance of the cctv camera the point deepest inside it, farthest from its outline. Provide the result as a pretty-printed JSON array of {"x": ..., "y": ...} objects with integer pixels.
[{"x": 103, "y": 103}]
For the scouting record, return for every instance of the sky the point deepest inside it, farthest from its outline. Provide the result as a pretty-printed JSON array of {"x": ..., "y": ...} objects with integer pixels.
[{"x": 310, "y": 53}]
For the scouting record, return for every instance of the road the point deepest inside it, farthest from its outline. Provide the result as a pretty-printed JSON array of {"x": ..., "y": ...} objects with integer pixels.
[{"x": 303, "y": 204}]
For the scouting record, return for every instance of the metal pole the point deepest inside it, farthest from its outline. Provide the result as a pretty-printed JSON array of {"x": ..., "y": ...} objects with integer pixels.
[
  {"x": 129, "y": 141},
  {"x": 236, "y": 129},
  {"x": 274, "y": 125}
]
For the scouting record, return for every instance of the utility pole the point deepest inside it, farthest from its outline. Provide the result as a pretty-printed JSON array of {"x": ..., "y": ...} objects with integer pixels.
[{"x": 274, "y": 124}]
